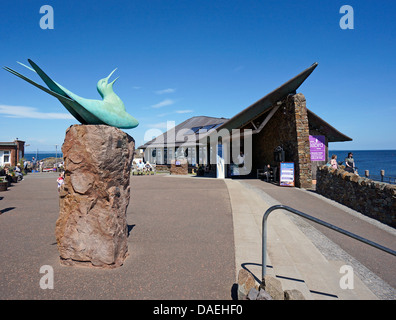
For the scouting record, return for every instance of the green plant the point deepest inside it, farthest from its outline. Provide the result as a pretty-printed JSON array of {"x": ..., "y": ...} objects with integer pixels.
[{"x": 22, "y": 166}]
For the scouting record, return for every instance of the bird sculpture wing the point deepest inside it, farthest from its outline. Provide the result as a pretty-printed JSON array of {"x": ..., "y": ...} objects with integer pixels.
[
  {"x": 64, "y": 100},
  {"x": 110, "y": 110},
  {"x": 72, "y": 103}
]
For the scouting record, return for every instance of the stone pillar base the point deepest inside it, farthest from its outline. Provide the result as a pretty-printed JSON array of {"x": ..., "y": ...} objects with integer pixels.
[
  {"x": 179, "y": 167},
  {"x": 92, "y": 228}
]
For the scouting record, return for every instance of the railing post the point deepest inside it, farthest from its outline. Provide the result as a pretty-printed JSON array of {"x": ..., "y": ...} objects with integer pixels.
[{"x": 264, "y": 239}]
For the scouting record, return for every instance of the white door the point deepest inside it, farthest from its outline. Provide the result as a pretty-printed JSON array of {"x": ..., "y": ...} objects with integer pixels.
[{"x": 220, "y": 172}]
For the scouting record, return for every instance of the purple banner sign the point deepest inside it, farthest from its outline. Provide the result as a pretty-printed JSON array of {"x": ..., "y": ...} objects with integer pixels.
[{"x": 317, "y": 148}]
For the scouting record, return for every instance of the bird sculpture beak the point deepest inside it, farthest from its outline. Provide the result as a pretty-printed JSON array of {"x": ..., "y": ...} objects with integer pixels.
[
  {"x": 111, "y": 83},
  {"x": 111, "y": 74}
]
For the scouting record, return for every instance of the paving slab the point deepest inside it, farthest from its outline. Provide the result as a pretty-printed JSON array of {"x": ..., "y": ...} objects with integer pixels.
[
  {"x": 297, "y": 250},
  {"x": 295, "y": 258},
  {"x": 181, "y": 243}
]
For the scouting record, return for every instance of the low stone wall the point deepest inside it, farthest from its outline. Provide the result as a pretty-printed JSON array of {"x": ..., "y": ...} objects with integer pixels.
[
  {"x": 372, "y": 198},
  {"x": 162, "y": 168},
  {"x": 179, "y": 167}
]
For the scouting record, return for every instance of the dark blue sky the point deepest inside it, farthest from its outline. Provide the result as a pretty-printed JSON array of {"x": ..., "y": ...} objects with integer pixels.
[{"x": 178, "y": 59}]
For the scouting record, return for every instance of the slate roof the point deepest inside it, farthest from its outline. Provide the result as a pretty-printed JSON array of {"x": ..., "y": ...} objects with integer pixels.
[{"x": 188, "y": 131}]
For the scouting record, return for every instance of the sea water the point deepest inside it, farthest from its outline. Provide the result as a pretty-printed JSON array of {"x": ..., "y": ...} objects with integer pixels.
[
  {"x": 42, "y": 155},
  {"x": 372, "y": 160}
]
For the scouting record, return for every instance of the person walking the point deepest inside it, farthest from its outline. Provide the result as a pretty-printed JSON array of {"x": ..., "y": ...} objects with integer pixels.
[{"x": 61, "y": 181}]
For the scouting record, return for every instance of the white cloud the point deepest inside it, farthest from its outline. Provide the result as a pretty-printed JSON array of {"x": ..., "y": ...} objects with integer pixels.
[
  {"x": 31, "y": 113},
  {"x": 184, "y": 111},
  {"x": 163, "y": 103},
  {"x": 169, "y": 90},
  {"x": 173, "y": 112}
]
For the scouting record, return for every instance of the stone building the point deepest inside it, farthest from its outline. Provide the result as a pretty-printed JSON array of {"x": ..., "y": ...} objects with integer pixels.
[
  {"x": 11, "y": 152},
  {"x": 279, "y": 128}
]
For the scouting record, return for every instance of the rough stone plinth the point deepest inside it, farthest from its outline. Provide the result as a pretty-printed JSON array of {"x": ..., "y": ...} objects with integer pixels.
[
  {"x": 179, "y": 167},
  {"x": 92, "y": 228}
]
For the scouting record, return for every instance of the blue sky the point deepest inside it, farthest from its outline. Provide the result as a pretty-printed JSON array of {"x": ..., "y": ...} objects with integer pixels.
[{"x": 178, "y": 59}]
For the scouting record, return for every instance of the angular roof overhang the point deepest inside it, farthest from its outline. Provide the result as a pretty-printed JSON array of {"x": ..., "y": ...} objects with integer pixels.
[
  {"x": 269, "y": 104},
  {"x": 262, "y": 105}
]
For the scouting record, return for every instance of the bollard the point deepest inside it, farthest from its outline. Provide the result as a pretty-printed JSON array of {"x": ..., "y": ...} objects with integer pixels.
[
  {"x": 366, "y": 173},
  {"x": 382, "y": 175}
]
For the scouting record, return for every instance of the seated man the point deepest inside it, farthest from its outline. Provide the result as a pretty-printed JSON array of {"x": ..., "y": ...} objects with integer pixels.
[
  {"x": 267, "y": 172},
  {"x": 5, "y": 172},
  {"x": 148, "y": 167},
  {"x": 18, "y": 172},
  {"x": 140, "y": 167}
]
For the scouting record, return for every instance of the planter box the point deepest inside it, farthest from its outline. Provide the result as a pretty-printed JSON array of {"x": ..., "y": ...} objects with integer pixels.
[{"x": 3, "y": 186}]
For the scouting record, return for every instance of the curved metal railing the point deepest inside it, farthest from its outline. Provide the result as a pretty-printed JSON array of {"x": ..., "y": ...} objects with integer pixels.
[{"x": 323, "y": 223}]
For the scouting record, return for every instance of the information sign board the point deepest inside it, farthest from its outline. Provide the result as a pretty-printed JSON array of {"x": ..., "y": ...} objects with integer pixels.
[{"x": 286, "y": 174}]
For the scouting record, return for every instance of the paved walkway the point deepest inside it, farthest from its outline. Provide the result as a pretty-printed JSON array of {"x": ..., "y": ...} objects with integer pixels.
[
  {"x": 299, "y": 255},
  {"x": 181, "y": 244},
  {"x": 188, "y": 238},
  {"x": 381, "y": 263}
]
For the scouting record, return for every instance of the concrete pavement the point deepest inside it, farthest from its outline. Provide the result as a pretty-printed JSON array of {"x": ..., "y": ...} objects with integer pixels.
[
  {"x": 188, "y": 238},
  {"x": 180, "y": 243},
  {"x": 298, "y": 254}
]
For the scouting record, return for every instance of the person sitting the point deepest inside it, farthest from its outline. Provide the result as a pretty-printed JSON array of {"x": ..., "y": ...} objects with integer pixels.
[
  {"x": 267, "y": 172},
  {"x": 333, "y": 162},
  {"x": 18, "y": 172},
  {"x": 8, "y": 175},
  {"x": 350, "y": 163},
  {"x": 140, "y": 167},
  {"x": 5, "y": 173},
  {"x": 148, "y": 167}
]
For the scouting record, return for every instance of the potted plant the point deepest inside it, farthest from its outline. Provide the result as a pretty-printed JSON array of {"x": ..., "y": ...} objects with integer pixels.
[
  {"x": 3, "y": 184},
  {"x": 14, "y": 177}
]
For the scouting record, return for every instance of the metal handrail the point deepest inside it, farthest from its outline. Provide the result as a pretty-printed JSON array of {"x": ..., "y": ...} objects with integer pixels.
[{"x": 323, "y": 223}]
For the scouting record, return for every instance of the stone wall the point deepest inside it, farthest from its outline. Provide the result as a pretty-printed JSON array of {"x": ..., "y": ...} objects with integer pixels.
[
  {"x": 374, "y": 199},
  {"x": 179, "y": 167},
  {"x": 287, "y": 128}
]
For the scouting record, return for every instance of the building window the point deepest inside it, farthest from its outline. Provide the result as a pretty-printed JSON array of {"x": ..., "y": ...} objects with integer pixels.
[{"x": 5, "y": 157}]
